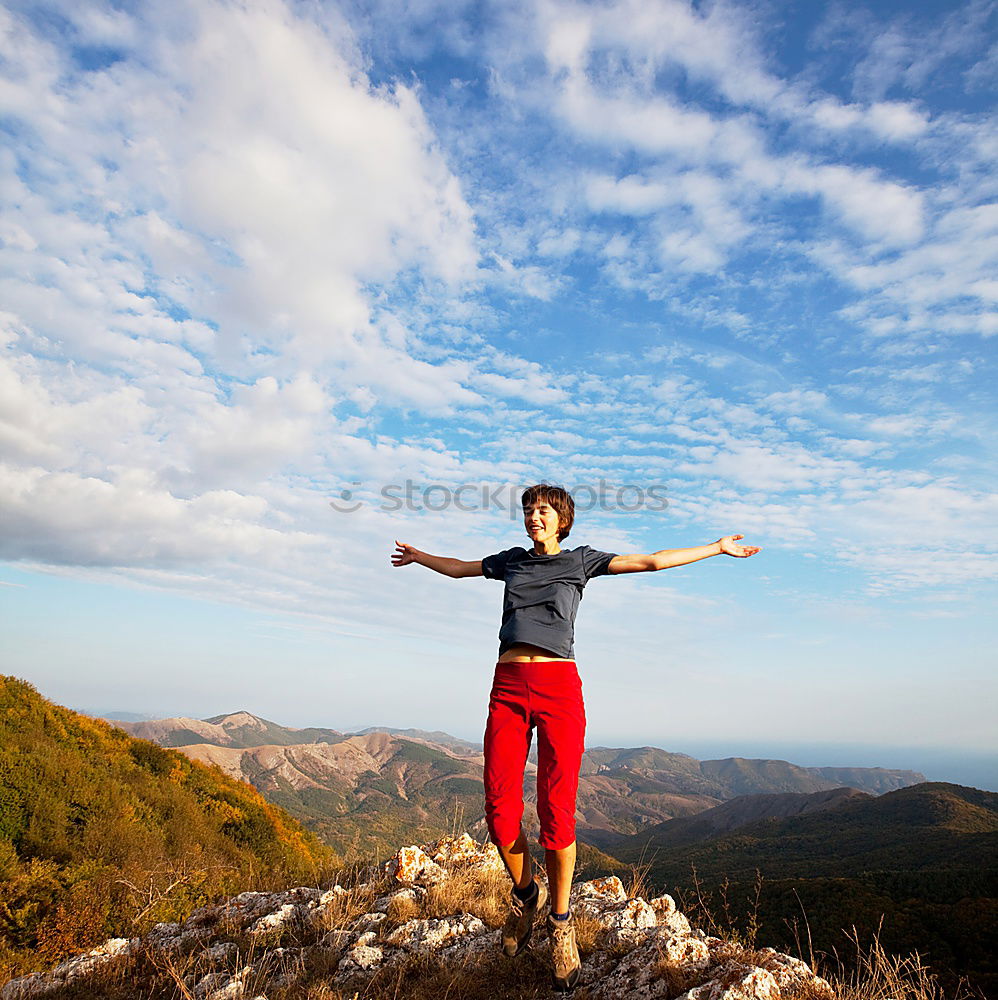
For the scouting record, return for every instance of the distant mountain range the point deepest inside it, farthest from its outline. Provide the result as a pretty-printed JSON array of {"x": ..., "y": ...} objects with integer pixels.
[
  {"x": 362, "y": 791},
  {"x": 238, "y": 729}
]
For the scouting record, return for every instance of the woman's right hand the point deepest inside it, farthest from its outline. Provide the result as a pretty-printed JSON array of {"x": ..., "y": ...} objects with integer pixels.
[{"x": 403, "y": 554}]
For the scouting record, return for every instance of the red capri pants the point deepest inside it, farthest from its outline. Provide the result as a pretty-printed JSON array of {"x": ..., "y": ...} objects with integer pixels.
[{"x": 546, "y": 694}]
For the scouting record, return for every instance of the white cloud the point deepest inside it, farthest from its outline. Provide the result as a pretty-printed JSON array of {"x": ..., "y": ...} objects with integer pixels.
[
  {"x": 719, "y": 45},
  {"x": 128, "y": 520},
  {"x": 237, "y": 267},
  {"x": 264, "y": 177},
  {"x": 198, "y": 260}
]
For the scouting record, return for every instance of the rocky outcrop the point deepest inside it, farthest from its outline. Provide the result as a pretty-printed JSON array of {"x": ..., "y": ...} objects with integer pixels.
[{"x": 641, "y": 949}]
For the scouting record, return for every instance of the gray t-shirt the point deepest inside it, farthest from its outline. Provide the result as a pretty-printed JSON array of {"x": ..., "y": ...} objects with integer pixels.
[{"x": 542, "y": 594}]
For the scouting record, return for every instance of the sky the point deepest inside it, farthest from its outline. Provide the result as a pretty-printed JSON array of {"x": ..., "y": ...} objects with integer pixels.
[{"x": 282, "y": 282}]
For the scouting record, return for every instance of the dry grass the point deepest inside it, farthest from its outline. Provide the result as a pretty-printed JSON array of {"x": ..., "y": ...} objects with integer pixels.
[
  {"x": 587, "y": 932},
  {"x": 876, "y": 975},
  {"x": 719, "y": 916},
  {"x": 357, "y": 900},
  {"x": 400, "y": 911},
  {"x": 638, "y": 883},
  {"x": 484, "y": 893}
]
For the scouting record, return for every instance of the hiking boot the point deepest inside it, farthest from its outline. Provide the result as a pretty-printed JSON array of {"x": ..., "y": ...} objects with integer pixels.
[
  {"x": 520, "y": 922},
  {"x": 564, "y": 954}
]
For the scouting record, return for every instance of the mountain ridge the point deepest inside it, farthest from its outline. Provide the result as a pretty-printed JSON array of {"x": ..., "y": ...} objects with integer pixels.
[
  {"x": 739, "y": 774},
  {"x": 873, "y": 833},
  {"x": 362, "y": 791}
]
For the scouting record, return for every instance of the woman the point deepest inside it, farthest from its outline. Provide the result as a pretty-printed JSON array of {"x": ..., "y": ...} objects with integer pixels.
[{"x": 536, "y": 685}]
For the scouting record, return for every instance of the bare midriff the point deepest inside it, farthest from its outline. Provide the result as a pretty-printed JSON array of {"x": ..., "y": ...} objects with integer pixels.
[{"x": 523, "y": 653}]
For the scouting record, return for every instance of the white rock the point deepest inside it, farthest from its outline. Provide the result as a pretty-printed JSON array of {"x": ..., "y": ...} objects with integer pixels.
[
  {"x": 224, "y": 951},
  {"x": 791, "y": 973},
  {"x": 462, "y": 948},
  {"x": 432, "y": 935},
  {"x": 71, "y": 969},
  {"x": 637, "y": 975},
  {"x": 411, "y": 864},
  {"x": 633, "y": 978},
  {"x": 286, "y": 914},
  {"x": 222, "y": 986},
  {"x": 669, "y": 916},
  {"x": 683, "y": 950},
  {"x": 251, "y": 906},
  {"x": 232, "y": 990},
  {"x": 600, "y": 892},
  {"x": 163, "y": 935},
  {"x": 627, "y": 924},
  {"x": 735, "y": 981},
  {"x": 360, "y": 958},
  {"x": 369, "y": 921},
  {"x": 209, "y": 983},
  {"x": 465, "y": 851},
  {"x": 336, "y": 940},
  {"x": 675, "y": 923}
]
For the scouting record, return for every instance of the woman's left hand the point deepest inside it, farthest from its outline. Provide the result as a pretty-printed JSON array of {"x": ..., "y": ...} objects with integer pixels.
[{"x": 729, "y": 546}]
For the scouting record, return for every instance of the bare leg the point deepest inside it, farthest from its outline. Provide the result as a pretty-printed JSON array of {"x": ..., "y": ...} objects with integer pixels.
[
  {"x": 561, "y": 867},
  {"x": 516, "y": 858}
]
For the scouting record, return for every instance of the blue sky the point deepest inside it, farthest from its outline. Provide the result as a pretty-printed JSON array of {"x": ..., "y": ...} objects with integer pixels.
[{"x": 742, "y": 255}]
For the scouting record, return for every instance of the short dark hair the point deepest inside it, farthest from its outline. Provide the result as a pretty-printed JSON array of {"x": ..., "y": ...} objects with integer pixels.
[{"x": 559, "y": 499}]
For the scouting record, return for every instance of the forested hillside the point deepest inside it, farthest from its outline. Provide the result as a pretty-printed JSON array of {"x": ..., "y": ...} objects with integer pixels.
[
  {"x": 102, "y": 834},
  {"x": 920, "y": 864}
]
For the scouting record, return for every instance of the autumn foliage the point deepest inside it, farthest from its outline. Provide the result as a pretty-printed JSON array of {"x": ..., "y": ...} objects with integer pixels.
[{"x": 104, "y": 835}]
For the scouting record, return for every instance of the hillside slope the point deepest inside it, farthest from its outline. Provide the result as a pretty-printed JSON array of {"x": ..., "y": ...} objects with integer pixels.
[
  {"x": 926, "y": 826},
  {"x": 101, "y": 833},
  {"x": 363, "y": 794},
  {"x": 918, "y": 867},
  {"x": 729, "y": 816}
]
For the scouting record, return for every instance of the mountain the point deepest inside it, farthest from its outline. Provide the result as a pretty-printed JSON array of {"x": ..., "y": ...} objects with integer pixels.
[
  {"x": 238, "y": 729},
  {"x": 363, "y": 792},
  {"x": 724, "y": 779},
  {"x": 453, "y": 743},
  {"x": 750, "y": 777},
  {"x": 917, "y": 868},
  {"x": 926, "y": 826},
  {"x": 726, "y": 817},
  {"x": 101, "y": 833},
  {"x": 122, "y": 716}
]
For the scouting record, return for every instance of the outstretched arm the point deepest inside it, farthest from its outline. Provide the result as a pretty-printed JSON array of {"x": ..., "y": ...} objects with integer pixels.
[
  {"x": 667, "y": 558},
  {"x": 455, "y": 568}
]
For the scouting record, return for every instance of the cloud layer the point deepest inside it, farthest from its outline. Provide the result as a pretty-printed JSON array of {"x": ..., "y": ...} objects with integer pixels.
[{"x": 255, "y": 254}]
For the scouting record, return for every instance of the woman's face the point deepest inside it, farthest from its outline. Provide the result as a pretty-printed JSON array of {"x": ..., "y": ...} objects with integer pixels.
[{"x": 541, "y": 521}]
